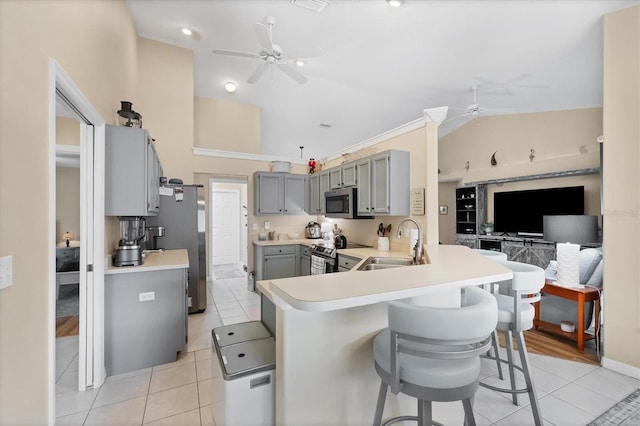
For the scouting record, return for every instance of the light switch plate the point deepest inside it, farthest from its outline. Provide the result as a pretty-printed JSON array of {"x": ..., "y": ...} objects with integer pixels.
[
  {"x": 6, "y": 271},
  {"x": 267, "y": 225},
  {"x": 145, "y": 297}
]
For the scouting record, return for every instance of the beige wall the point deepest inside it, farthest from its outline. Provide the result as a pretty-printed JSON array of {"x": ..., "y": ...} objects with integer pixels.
[
  {"x": 556, "y": 138},
  {"x": 622, "y": 187},
  {"x": 67, "y": 202},
  {"x": 95, "y": 42},
  {"x": 227, "y": 125}
]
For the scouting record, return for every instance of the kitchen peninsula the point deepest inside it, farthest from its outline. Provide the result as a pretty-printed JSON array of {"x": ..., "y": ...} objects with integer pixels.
[{"x": 325, "y": 325}]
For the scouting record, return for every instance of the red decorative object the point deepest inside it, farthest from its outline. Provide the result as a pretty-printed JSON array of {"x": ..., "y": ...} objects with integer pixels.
[{"x": 312, "y": 166}]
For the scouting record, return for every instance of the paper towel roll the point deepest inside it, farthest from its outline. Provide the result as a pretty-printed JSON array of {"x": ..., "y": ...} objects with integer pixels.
[
  {"x": 568, "y": 264},
  {"x": 413, "y": 237}
]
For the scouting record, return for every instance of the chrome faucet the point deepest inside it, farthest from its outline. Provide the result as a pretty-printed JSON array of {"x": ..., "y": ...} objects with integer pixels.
[{"x": 417, "y": 249}]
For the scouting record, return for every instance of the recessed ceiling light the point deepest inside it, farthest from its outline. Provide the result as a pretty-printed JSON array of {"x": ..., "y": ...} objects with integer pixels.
[
  {"x": 395, "y": 3},
  {"x": 299, "y": 63},
  {"x": 230, "y": 86},
  {"x": 193, "y": 34}
]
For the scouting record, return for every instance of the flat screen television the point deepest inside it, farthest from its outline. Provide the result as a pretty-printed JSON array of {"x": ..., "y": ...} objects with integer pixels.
[{"x": 522, "y": 211}]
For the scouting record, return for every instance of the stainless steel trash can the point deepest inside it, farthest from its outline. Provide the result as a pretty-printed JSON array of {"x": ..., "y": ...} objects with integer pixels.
[
  {"x": 248, "y": 372},
  {"x": 238, "y": 333}
]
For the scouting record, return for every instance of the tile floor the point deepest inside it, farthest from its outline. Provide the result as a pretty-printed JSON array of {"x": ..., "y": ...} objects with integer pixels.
[{"x": 181, "y": 393}]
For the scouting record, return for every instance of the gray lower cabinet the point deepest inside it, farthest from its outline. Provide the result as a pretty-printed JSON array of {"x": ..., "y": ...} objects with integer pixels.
[
  {"x": 346, "y": 263},
  {"x": 305, "y": 261},
  {"x": 145, "y": 319},
  {"x": 274, "y": 262}
]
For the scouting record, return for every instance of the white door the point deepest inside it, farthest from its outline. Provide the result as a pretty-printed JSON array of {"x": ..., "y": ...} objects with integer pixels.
[{"x": 225, "y": 226}]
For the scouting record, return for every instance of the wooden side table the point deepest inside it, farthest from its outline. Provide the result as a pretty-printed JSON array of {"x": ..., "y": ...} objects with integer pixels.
[{"x": 578, "y": 295}]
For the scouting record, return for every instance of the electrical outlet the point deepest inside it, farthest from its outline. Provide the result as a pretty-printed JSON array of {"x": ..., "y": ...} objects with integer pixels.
[
  {"x": 6, "y": 271},
  {"x": 145, "y": 297},
  {"x": 267, "y": 225},
  {"x": 255, "y": 227}
]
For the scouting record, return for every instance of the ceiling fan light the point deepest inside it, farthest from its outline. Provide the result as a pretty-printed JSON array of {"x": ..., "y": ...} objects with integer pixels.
[
  {"x": 186, "y": 31},
  {"x": 394, "y": 3},
  {"x": 230, "y": 86},
  {"x": 300, "y": 63}
]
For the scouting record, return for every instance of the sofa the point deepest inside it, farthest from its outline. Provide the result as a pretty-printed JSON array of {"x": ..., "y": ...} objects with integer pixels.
[{"x": 555, "y": 309}]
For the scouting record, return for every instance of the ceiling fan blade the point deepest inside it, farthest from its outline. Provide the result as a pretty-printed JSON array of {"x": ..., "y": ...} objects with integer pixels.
[
  {"x": 312, "y": 52},
  {"x": 293, "y": 73},
  {"x": 258, "y": 72},
  {"x": 263, "y": 35},
  {"x": 235, "y": 53}
]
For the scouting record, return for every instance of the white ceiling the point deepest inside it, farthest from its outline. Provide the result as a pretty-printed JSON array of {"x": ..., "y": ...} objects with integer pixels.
[{"x": 383, "y": 66}]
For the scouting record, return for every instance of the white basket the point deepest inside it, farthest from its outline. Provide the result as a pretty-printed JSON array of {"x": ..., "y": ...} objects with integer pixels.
[{"x": 281, "y": 166}]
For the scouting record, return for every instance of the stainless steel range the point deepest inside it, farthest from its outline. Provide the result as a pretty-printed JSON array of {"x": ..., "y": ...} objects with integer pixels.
[{"x": 324, "y": 256}]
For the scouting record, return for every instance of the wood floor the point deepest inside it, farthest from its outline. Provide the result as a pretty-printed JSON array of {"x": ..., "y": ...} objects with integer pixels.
[
  {"x": 67, "y": 326},
  {"x": 540, "y": 342}
]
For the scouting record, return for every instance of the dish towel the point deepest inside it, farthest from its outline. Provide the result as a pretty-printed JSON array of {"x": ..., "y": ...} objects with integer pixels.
[
  {"x": 568, "y": 264},
  {"x": 317, "y": 265}
]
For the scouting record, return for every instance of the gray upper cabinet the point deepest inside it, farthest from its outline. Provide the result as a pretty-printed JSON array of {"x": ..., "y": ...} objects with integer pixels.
[
  {"x": 280, "y": 193},
  {"x": 383, "y": 184},
  {"x": 132, "y": 172},
  {"x": 318, "y": 185},
  {"x": 335, "y": 178},
  {"x": 349, "y": 177},
  {"x": 363, "y": 172}
]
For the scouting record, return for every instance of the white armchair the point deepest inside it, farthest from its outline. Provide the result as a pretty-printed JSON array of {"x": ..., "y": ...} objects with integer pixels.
[{"x": 555, "y": 309}]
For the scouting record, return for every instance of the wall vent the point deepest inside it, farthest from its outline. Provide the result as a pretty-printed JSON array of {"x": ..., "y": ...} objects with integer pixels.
[
  {"x": 325, "y": 125},
  {"x": 315, "y": 5}
]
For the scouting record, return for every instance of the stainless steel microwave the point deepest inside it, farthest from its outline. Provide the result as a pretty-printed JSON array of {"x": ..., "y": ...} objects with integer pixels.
[{"x": 342, "y": 203}]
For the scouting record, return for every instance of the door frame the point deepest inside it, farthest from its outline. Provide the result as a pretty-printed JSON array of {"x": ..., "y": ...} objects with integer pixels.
[{"x": 91, "y": 351}]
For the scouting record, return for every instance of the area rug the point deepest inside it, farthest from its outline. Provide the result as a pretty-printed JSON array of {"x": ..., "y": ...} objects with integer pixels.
[
  {"x": 232, "y": 270},
  {"x": 68, "y": 301},
  {"x": 624, "y": 413}
]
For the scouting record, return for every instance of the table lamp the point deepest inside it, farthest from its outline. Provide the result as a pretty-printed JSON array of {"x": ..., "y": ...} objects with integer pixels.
[{"x": 67, "y": 237}]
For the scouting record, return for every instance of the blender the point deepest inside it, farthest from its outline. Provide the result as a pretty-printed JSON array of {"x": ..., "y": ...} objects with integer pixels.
[{"x": 132, "y": 232}]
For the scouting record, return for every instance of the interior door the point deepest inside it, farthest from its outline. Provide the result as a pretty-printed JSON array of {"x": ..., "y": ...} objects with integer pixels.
[{"x": 225, "y": 229}]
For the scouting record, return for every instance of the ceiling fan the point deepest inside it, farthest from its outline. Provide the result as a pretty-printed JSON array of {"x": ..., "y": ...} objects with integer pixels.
[
  {"x": 472, "y": 110},
  {"x": 271, "y": 54}
]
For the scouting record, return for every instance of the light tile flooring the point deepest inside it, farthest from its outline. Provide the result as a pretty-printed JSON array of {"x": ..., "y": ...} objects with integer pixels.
[{"x": 182, "y": 392}]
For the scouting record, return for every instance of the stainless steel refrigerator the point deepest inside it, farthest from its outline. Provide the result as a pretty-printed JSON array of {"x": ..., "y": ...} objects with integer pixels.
[{"x": 182, "y": 214}]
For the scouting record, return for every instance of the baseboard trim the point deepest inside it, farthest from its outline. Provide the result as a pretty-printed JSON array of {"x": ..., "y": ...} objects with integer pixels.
[{"x": 619, "y": 367}]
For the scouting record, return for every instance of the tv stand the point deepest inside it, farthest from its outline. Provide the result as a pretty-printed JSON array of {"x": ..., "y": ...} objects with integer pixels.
[{"x": 534, "y": 251}]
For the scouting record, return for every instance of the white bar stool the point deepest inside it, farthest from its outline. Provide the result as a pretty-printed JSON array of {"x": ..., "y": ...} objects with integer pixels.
[
  {"x": 433, "y": 354},
  {"x": 515, "y": 314}
]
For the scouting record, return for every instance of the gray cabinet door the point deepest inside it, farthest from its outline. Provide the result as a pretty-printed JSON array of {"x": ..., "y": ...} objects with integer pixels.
[
  {"x": 349, "y": 177},
  {"x": 515, "y": 251},
  {"x": 295, "y": 194},
  {"x": 335, "y": 178},
  {"x": 268, "y": 193},
  {"x": 324, "y": 187},
  {"x": 380, "y": 184},
  {"x": 141, "y": 334},
  {"x": 363, "y": 169},
  {"x": 541, "y": 253},
  {"x": 305, "y": 265},
  {"x": 279, "y": 266},
  {"x": 314, "y": 194},
  {"x": 130, "y": 185}
]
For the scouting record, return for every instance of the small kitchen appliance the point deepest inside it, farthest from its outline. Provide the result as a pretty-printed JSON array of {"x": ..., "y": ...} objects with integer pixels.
[
  {"x": 313, "y": 230},
  {"x": 153, "y": 232},
  {"x": 132, "y": 232},
  {"x": 341, "y": 241}
]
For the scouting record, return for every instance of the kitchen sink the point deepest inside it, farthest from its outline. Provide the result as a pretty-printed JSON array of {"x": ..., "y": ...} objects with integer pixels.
[{"x": 376, "y": 263}]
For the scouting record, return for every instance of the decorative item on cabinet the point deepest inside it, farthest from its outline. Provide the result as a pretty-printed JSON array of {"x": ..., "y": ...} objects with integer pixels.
[
  {"x": 127, "y": 116},
  {"x": 312, "y": 166}
]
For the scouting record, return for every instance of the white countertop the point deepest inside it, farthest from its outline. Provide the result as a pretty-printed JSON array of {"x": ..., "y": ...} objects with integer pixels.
[
  {"x": 448, "y": 267},
  {"x": 168, "y": 259}
]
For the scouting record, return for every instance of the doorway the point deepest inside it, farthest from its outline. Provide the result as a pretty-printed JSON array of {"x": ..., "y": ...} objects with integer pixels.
[
  {"x": 228, "y": 224},
  {"x": 65, "y": 99}
]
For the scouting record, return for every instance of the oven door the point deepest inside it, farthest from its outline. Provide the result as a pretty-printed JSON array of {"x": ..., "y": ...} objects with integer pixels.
[{"x": 322, "y": 264}]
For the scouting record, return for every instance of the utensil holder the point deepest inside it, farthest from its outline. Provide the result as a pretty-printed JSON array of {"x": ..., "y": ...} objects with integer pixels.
[{"x": 383, "y": 243}]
